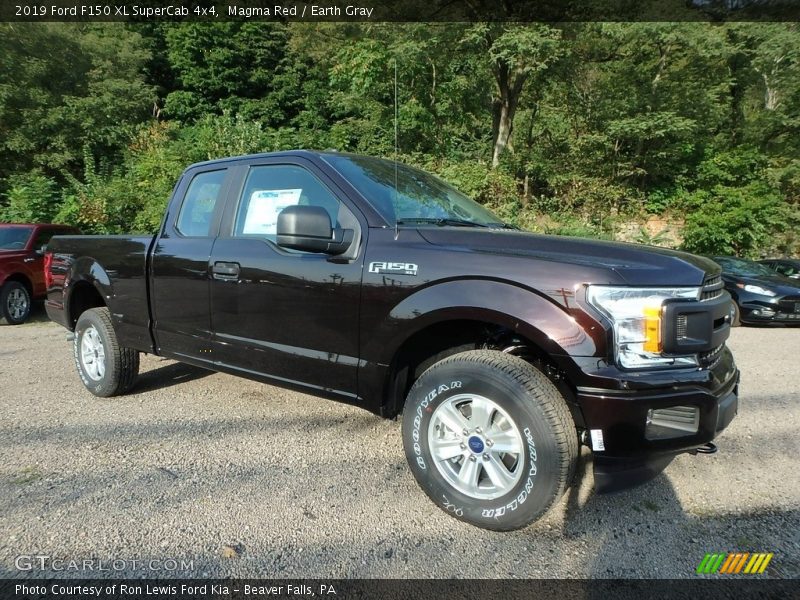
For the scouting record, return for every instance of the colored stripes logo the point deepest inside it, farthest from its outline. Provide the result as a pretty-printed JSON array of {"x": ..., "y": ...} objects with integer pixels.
[{"x": 735, "y": 563}]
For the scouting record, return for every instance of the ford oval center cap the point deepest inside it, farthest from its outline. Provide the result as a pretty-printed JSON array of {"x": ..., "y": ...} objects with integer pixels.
[{"x": 475, "y": 444}]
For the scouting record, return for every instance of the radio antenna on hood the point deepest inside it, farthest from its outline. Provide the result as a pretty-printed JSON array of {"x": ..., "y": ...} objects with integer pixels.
[{"x": 396, "y": 144}]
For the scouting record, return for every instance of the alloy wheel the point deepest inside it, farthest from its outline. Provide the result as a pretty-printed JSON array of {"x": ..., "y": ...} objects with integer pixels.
[{"x": 476, "y": 446}]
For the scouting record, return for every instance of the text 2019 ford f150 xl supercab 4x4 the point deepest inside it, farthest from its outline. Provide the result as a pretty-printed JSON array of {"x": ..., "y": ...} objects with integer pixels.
[{"x": 372, "y": 283}]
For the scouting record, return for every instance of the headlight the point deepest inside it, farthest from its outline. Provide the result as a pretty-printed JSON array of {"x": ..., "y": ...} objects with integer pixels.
[
  {"x": 756, "y": 289},
  {"x": 636, "y": 316}
]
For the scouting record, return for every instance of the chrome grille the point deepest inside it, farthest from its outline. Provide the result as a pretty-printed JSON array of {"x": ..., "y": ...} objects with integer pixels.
[
  {"x": 789, "y": 304},
  {"x": 712, "y": 288}
]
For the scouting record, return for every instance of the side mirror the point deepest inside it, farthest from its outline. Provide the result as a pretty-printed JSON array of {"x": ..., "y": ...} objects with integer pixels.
[
  {"x": 42, "y": 250},
  {"x": 308, "y": 228}
]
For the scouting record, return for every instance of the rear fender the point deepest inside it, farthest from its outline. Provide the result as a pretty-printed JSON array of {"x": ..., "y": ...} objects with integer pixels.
[{"x": 88, "y": 270}]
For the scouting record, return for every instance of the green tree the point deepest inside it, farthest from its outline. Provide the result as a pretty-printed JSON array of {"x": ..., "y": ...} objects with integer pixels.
[
  {"x": 226, "y": 66},
  {"x": 67, "y": 92},
  {"x": 516, "y": 55},
  {"x": 32, "y": 198}
]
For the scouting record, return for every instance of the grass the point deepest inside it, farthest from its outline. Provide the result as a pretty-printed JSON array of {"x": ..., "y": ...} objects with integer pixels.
[
  {"x": 647, "y": 504},
  {"x": 27, "y": 475},
  {"x": 650, "y": 505}
]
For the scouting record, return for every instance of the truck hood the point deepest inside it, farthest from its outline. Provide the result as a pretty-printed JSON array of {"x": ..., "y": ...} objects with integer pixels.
[{"x": 635, "y": 263}]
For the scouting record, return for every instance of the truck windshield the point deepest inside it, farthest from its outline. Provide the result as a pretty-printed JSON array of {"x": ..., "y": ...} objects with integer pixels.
[
  {"x": 418, "y": 198},
  {"x": 14, "y": 238}
]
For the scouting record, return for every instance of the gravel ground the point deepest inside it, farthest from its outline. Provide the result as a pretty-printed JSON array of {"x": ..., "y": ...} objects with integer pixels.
[{"x": 239, "y": 479}]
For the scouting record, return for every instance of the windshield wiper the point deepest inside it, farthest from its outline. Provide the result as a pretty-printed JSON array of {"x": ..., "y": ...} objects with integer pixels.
[
  {"x": 441, "y": 222},
  {"x": 503, "y": 226}
]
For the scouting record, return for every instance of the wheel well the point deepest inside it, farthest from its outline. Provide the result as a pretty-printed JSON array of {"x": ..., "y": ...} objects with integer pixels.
[
  {"x": 83, "y": 297},
  {"x": 440, "y": 340},
  {"x": 19, "y": 277}
]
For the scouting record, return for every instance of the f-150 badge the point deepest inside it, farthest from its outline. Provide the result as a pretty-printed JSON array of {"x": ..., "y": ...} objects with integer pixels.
[{"x": 395, "y": 268}]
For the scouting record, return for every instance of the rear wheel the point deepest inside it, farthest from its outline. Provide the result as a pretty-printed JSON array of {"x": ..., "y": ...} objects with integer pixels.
[
  {"x": 490, "y": 439},
  {"x": 15, "y": 303},
  {"x": 105, "y": 368}
]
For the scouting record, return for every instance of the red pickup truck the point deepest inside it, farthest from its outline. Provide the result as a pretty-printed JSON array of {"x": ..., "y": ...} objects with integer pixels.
[{"x": 22, "y": 266}]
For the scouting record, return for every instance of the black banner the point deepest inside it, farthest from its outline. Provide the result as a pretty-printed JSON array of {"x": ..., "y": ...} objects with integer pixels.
[
  {"x": 408, "y": 589},
  {"x": 399, "y": 10}
]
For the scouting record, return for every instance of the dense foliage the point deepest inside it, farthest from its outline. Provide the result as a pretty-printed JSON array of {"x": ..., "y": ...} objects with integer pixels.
[{"x": 576, "y": 129}]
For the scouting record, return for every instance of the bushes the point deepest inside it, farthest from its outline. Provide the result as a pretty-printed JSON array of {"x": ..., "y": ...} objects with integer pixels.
[
  {"x": 493, "y": 188},
  {"x": 746, "y": 221},
  {"x": 31, "y": 198},
  {"x": 132, "y": 197},
  {"x": 736, "y": 205}
]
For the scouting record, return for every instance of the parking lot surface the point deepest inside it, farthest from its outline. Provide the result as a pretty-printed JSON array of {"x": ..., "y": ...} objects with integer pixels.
[{"x": 208, "y": 475}]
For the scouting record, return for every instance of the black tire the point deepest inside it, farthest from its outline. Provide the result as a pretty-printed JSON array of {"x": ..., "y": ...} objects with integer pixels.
[
  {"x": 15, "y": 303},
  {"x": 736, "y": 314},
  {"x": 121, "y": 365},
  {"x": 533, "y": 406}
]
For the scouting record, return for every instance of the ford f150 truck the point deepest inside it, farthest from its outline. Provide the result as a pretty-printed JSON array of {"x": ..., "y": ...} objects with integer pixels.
[
  {"x": 22, "y": 266},
  {"x": 373, "y": 283}
]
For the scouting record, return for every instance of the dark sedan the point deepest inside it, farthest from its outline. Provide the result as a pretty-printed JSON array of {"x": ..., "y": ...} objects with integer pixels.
[
  {"x": 788, "y": 267},
  {"x": 759, "y": 294}
]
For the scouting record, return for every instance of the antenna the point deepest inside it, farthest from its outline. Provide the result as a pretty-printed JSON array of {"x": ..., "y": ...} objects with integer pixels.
[{"x": 396, "y": 144}]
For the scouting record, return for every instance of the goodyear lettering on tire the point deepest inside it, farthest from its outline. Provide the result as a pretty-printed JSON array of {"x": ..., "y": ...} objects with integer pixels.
[{"x": 415, "y": 433}]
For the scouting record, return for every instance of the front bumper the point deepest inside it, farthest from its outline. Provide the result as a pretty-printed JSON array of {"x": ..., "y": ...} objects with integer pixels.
[
  {"x": 760, "y": 310},
  {"x": 629, "y": 455},
  {"x": 764, "y": 316},
  {"x": 612, "y": 474}
]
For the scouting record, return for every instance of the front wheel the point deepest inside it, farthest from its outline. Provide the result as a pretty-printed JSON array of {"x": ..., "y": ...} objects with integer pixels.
[
  {"x": 490, "y": 439},
  {"x": 105, "y": 368},
  {"x": 736, "y": 314},
  {"x": 15, "y": 303}
]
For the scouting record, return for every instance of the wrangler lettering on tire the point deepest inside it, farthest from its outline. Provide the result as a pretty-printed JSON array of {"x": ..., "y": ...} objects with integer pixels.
[{"x": 489, "y": 438}]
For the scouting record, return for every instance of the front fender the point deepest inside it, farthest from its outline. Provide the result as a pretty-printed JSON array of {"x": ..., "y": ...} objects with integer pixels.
[
  {"x": 15, "y": 267},
  {"x": 555, "y": 330}
]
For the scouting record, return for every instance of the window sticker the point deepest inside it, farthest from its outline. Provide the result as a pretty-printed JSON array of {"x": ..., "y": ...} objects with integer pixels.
[
  {"x": 264, "y": 208},
  {"x": 597, "y": 440}
]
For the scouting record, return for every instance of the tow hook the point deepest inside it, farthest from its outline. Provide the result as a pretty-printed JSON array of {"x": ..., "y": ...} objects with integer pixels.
[
  {"x": 707, "y": 448},
  {"x": 583, "y": 437}
]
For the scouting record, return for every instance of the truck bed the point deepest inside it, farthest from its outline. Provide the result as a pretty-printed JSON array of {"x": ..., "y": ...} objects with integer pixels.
[{"x": 116, "y": 265}]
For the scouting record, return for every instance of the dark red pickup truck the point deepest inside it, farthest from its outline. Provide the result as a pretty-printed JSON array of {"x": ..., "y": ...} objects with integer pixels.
[
  {"x": 22, "y": 266},
  {"x": 376, "y": 284}
]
